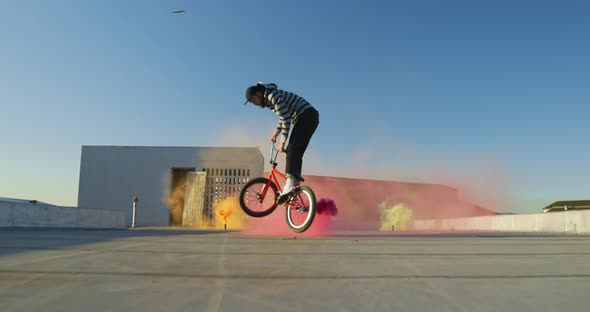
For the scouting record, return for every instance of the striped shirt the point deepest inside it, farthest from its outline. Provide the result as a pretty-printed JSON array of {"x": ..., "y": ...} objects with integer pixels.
[{"x": 287, "y": 105}]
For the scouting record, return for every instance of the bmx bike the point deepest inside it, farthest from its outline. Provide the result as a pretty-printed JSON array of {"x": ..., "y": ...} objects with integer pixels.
[{"x": 258, "y": 198}]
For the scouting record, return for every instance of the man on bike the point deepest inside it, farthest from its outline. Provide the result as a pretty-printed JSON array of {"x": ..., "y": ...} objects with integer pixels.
[{"x": 291, "y": 109}]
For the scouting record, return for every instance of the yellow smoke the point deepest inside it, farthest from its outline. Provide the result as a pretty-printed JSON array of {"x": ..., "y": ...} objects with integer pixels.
[
  {"x": 228, "y": 212},
  {"x": 396, "y": 218},
  {"x": 176, "y": 203}
]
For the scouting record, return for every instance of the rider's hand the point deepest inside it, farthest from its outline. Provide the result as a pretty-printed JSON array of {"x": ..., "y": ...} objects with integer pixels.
[
  {"x": 273, "y": 138},
  {"x": 281, "y": 147}
]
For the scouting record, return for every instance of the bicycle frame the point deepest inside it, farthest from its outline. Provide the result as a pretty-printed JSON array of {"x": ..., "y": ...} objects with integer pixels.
[
  {"x": 272, "y": 176},
  {"x": 300, "y": 204}
]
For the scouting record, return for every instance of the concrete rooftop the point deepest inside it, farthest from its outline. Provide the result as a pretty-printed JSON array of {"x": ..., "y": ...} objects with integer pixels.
[{"x": 167, "y": 269}]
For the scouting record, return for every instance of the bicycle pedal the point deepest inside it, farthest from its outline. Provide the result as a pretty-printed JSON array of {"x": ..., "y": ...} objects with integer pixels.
[
  {"x": 302, "y": 209},
  {"x": 284, "y": 198}
]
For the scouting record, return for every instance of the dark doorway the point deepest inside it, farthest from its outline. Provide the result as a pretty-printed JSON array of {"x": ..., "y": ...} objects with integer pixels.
[{"x": 177, "y": 190}]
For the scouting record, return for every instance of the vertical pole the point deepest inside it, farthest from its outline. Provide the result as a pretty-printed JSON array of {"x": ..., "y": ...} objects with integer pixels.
[{"x": 135, "y": 200}]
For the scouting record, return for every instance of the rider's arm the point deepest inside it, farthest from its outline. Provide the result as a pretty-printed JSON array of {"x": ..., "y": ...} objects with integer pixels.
[{"x": 282, "y": 111}]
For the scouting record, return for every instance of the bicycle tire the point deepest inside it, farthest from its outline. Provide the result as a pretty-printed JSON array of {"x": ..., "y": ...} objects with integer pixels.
[
  {"x": 309, "y": 194},
  {"x": 272, "y": 192}
]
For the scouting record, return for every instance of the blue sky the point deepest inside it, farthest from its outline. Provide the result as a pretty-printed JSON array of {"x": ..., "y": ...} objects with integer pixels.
[{"x": 492, "y": 95}]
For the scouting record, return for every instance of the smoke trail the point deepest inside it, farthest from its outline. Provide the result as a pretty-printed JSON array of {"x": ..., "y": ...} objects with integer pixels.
[
  {"x": 396, "y": 218},
  {"x": 228, "y": 213},
  {"x": 326, "y": 206},
  {"x": 275, "y": 224},
  {"x": 176, "y": 203}
]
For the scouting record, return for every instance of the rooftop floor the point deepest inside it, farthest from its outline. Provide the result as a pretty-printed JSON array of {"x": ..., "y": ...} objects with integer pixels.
[{"x": 173, "y": 269}]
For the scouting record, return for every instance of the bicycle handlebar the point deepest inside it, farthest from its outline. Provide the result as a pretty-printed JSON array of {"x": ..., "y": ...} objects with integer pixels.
[{"x": 272, "y": 151}]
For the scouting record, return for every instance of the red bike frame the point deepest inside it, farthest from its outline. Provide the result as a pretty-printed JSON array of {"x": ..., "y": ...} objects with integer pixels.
[{"x": 272, "y": 176}]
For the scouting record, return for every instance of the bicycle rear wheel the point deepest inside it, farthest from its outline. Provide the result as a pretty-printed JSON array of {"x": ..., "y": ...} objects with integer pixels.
[
  {"x": 253, "y": 202},
  {"x": 301, "y": 209}
]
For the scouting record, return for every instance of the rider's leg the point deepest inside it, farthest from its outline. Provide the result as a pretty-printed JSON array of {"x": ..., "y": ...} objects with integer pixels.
[{"x": 303, "y": 130}]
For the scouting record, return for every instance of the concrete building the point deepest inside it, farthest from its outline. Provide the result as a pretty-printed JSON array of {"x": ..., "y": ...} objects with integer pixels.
[{"x": 111, "y": 176}]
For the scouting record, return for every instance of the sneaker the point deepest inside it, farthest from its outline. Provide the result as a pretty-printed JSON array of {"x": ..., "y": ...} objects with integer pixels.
[
  {"x": 288, "y": 188},
  {"x": 289, "y": 183},
  {"x": 285, "y": 195}
]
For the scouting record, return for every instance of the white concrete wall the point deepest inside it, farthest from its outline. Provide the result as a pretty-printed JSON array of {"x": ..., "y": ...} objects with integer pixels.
[
  {"x": 34, "y": 215},
  {"x": 111, "y": 175},
  {"x": 560, "y": 222}
]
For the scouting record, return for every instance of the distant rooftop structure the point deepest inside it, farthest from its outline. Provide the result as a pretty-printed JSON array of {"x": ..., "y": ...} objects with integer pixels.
[
  {"x": 565, "y": 205},
  {"x": 23, "y": 201},
  {"x": 112, "y": 176}
]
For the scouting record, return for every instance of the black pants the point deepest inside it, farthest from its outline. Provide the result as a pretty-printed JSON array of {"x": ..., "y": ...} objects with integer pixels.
[{"x": 304, "y": 128}]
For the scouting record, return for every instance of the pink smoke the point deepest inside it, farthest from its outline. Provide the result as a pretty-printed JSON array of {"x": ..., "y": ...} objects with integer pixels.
[
  {"x": 361, "y": 199},
  {"x": 275, "y": 224},
  {"x": 326, "y": 206}
]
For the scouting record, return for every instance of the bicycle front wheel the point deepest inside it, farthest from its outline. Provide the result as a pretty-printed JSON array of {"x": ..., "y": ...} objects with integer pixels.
[
  {"x": 301, "y": 209},
  {"x": 253, "y": 199}
]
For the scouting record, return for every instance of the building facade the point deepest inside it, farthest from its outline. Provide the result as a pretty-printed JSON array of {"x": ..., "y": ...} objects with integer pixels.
[
  {"x": 164, "y": 179},
  {"x": 111, "y": 176}
]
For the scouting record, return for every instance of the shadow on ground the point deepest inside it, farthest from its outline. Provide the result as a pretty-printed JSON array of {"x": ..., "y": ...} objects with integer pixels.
[{"x": 16, "y": 240}]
